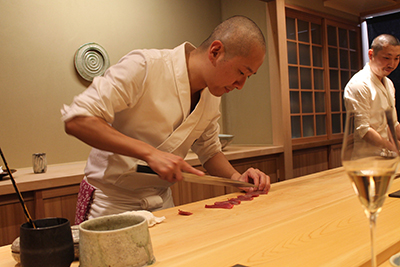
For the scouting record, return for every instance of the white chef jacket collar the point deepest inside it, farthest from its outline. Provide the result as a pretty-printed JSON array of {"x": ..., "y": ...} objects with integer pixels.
[
  {"x": 181, "y": 74},
  {"x": 383, "y": 86}
]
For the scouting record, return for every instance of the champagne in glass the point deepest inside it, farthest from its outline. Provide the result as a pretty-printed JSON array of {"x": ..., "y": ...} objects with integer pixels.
[{"x": 370, "y": 162}]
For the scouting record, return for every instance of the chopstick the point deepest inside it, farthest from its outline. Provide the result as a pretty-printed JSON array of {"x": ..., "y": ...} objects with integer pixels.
[{"x": 21, "y": 200}]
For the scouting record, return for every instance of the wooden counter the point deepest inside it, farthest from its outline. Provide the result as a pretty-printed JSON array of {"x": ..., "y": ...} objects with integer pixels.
[
  {"x": 72, "y": 173},
  {"x": 54, "y": 193},
  {"x": 315, "y": 220}
]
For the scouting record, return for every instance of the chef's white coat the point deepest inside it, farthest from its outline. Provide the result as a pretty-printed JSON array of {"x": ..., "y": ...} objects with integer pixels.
[
  {"x": 367, "y": 94},
  {"x": 146, "y": 95}
]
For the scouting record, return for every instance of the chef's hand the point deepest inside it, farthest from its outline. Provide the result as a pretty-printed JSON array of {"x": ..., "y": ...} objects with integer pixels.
[
  {"x": 261, "y": 180},
  {"x": 169, "y": 167}
]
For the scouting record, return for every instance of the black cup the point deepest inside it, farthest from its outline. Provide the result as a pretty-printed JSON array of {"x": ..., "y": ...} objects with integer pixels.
[{"x": 49, "y": 245}]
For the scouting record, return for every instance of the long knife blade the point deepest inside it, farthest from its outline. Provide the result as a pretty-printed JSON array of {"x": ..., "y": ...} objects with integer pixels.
[
  {"x": 389, "y": 118},
  {"x": 205, "y": 179}
]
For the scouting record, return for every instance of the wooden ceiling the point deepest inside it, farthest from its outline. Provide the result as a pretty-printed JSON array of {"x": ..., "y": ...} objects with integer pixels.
[{"x": 363, "y": 7}]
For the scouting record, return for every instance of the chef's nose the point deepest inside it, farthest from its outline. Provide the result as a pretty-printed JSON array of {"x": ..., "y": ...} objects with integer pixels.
[
  {"x": 393, "y": 62},
  {"x": 240, "y": 83}
]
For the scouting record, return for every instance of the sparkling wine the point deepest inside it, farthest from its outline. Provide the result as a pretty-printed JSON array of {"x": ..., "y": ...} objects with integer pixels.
[
  {"x": 369, "y": 162},
  {"x": 371, "y": 188}
]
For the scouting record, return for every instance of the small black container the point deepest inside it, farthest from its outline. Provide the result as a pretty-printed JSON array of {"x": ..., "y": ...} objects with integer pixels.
[{"x": 49, "y": 245}]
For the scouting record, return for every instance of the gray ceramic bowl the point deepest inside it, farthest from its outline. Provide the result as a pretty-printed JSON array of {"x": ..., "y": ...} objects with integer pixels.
[{"x": 225, "y": 139}]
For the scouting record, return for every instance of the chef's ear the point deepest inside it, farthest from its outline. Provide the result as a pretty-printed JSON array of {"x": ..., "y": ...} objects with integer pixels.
[
  {"x": 370, "y": 53},
  {"x": 215, "y": 51}
]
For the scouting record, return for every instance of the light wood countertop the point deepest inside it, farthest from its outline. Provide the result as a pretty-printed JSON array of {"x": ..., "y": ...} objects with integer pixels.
[
  {"x": 315, "y": 220},
  {"x": 55, "y": 176},
  {"x": 72, "y": 173}
]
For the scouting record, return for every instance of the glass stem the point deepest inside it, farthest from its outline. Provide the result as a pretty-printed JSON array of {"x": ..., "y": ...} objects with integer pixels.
[{"x": 372, "y": 226}]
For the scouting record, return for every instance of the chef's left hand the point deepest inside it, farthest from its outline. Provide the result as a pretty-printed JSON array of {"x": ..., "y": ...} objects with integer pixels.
[{"x": 261, "y": 181}]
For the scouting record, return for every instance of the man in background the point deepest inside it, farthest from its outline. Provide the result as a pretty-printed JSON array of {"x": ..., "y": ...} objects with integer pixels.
[{"x": 370, "y": 90}]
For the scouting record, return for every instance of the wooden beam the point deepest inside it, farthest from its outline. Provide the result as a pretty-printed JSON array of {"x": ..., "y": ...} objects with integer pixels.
[{"x": 279, "y": 82}]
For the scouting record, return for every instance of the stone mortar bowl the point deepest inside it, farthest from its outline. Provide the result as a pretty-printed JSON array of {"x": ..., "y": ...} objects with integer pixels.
[{"x": 121, "y": 240}]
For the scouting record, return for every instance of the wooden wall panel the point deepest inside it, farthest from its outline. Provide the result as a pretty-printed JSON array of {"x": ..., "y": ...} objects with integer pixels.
[
  {"x": 12, "y": 216},
  {"x": 61, "y": 202},
  {"x": 335, "y": 156},
  {"x": 62, "y": 207},
  {"x": 266, "y": 164},
  {"x": 184, "y": 192},
  {"x": 307, "y": 161},
  {"x": 58, "y": 202},
  {"x": 315, "y": 159}
]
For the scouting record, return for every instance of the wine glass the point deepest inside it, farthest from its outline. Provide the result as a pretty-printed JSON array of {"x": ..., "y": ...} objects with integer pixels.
[{"x": 370, "y": 163}]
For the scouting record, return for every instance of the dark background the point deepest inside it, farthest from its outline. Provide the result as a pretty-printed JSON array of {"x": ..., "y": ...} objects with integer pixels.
[{"x": 387, "y": 24}]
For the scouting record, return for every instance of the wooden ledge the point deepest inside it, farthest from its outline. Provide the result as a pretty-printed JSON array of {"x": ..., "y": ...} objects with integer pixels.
[{"x": 65, "y": 174}]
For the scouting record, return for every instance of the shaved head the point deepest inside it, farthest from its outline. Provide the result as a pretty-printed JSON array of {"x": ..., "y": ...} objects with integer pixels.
[
  {"x": 239, "y": 36},
  {"x": 383, "y": 40}
]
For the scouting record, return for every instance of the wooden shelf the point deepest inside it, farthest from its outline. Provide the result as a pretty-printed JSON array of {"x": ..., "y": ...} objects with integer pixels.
[{"x": 72, "y": 173}]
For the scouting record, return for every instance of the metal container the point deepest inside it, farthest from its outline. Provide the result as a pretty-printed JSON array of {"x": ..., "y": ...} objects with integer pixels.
[{"x": 39, "y": 162}]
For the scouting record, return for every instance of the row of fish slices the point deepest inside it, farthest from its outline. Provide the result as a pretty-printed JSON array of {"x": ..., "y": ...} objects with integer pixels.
[{"x": 228, "y": 204}]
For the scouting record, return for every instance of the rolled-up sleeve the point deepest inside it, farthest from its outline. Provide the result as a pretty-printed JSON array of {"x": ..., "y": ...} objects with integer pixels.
[
  {"x": 119, "y": 88},
  {"x": 358, "y": 98}
]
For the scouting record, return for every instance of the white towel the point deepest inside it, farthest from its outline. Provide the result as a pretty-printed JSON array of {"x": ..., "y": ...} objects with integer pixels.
[{"x": 151, "y": 219}]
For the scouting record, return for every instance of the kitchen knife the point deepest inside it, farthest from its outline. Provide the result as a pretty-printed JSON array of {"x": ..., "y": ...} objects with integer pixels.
[
  {"x": 389, "y": 118},
  {"x": 205, "y": 179}
]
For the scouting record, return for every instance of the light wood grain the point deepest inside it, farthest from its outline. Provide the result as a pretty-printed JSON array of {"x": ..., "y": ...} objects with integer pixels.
[
  {"x": 54, "y": 177},
  {"x": 277, "y": 56},
  {"x": 56, "y": 174},
  {"x": 315, "y": 220},
  {"x": 311, "y": 221},
  {"x": 54, "y": 193}
]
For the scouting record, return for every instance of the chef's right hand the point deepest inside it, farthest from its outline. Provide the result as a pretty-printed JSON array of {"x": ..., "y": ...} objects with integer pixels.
[{"x": 169, "y": 167}]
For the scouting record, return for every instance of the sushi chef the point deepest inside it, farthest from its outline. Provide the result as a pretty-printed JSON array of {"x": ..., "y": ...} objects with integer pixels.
[
  {"x": 370, "y": 90},
  {"x": 151, "y": 108}
]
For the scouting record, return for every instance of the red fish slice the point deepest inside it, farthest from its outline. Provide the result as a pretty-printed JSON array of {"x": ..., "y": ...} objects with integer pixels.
[
  {"x": 186, "y": 213},
  {"x": 245, "y": 197},
  {"x": 234, "y": 201},
  {"x": 221, "y": 205}
]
